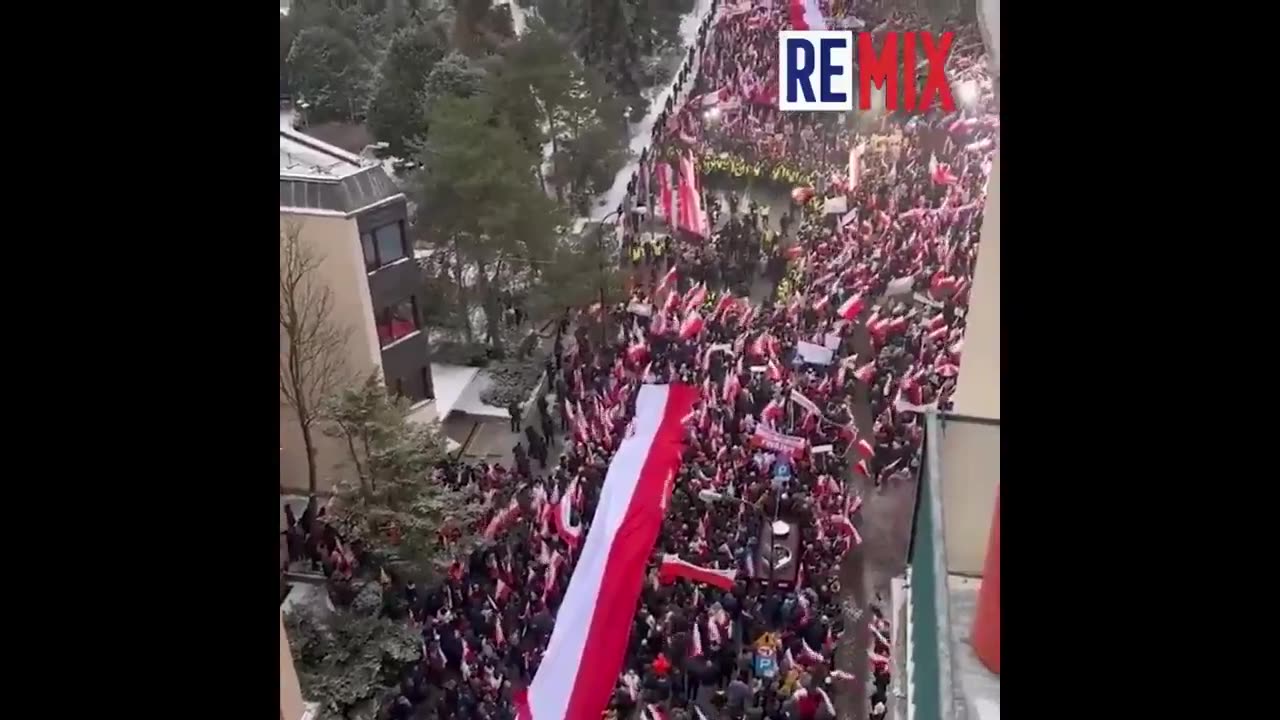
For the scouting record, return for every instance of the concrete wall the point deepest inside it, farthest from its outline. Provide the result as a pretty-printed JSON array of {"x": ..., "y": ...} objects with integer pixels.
[
  {"x": 336, "y": 242},
  {"x": 970, "y": 470},
  {"x": 978, "y": 386},
  {"x": 291, "y": 707}
]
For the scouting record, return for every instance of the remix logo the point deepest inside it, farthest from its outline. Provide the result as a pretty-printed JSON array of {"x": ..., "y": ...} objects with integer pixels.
[{"x": 817, "y": 70}]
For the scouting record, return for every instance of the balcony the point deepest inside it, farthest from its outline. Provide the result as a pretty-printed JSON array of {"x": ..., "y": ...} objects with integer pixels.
[{"x": 938, "y": 675}]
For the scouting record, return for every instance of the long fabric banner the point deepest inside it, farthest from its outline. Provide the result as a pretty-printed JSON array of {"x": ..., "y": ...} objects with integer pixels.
[
  {"x": 673, "y": 568},
  {"x": 586, "y": 651},
  {"x": 776, "y": 441}
]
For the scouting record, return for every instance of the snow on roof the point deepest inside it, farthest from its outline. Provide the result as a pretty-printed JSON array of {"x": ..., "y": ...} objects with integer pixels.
[
  {"x": 451, "y": 382},
  {"x": 470, "y": 402},
  {"x": 306, "y": 157}
]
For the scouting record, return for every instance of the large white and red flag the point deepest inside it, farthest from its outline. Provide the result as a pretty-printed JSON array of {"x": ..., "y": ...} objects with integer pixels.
[
  {"x": 585, "y": 654},
  {"x": 673, "y": 568},
  {"x": 806, "y": 15},
  {"x": 692, "y": 215},
  {"x": 666, "y": 192}
]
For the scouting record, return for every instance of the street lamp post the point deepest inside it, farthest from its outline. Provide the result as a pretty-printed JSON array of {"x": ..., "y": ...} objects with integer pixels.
[
  {"x": 600, "y": 276},
  {"x": 711, "y": 496}
]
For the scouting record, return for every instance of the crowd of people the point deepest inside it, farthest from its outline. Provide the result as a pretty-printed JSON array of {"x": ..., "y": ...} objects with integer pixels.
[{"x": 866, "y": 311}]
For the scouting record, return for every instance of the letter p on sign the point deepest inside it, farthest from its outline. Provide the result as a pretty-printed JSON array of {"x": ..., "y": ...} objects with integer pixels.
[{"x": 816, "y": 70}]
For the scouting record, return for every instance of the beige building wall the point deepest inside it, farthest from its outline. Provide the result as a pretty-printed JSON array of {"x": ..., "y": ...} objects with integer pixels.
[
  {"x": 978, "y": 385},
  {"x": 291, "y": 707},
  {"x": 336, "y": 241},
  {"x": 970, "y": 469}
]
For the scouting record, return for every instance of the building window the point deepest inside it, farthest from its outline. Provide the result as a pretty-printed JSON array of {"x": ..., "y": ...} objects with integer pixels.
[
  {"x": 383, "y": 246},
  {"x": 397, "y": 321}
]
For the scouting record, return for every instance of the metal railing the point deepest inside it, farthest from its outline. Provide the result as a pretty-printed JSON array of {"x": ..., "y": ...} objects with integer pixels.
[{"x": 930, "y": 668}]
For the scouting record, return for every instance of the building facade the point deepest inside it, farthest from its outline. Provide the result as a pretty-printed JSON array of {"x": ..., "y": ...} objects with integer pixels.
[{"x": 350, "y": 215}]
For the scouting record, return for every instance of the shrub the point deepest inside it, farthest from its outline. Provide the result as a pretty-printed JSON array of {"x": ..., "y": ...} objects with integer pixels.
[{"x": 512, "y": 381}]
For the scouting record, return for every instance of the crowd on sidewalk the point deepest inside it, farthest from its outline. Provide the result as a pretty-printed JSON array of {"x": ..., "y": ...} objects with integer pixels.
[{"x": 868, "y": 306}]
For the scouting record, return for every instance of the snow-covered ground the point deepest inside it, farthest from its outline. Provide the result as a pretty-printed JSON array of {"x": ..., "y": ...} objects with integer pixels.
[
  {"x": 517, "y": 17},
  {"x": 642, "y": 132}
]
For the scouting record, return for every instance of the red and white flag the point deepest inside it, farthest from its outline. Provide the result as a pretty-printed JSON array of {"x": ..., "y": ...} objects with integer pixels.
[
  {"x": 666, "y": 192},
  {"x": 570, "y": 533},
  {"x": 850, "y": 308},
  {"x": 668, "y": 280},
  {"x": 806, "y": 15},
  {"x": 691, "y": 326},
  {"x": 673, "y": 568},
  {"x": 695, "y": 297},
  {"x": 583, "y": 658},
  {"x": 865, "y": 373},
  {"x": 691, "y": 216}
]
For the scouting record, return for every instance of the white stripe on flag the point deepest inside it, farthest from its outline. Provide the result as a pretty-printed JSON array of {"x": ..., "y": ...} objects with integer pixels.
[{"x": 585, "y": 654}]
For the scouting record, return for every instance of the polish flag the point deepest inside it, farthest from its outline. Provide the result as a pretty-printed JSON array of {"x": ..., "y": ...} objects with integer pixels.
[
  {"x": 671, "y": 303},
  {"x": 715, "y": 97},
  {"x": 691, "y": 326},
  {"x": 865, "y": 449},
  {"x": 731, "y": 387},
  {"x": 638, "y": 353},
  {"x": 948, "y": 370},
  {"x": 806, "y": 15},
  {"x": 696, "y": 296},
  {"x": 850, "y": 308},
  {"x": 500, "y": 520},
  {"x": 939, "y": 334},
  {"x": 673, "y": 568},
  {"x": 723, "y": 304},
  {"x": 570, "y": 533},
  {"x": 774, "y": 370},
  {"x": 692, "y": 216},
  {"x": 808, "y": 655},
  {"x": 658, "y": 327},
  {"x": 862, "y": 468},
  {"x": 583, "y": 659},
  {"x": 822, "y": 303},
  {"x": 666, "y": 193},
  {"x": 771, "y": 413},
  {"x": 695, "y": 645},
  {"x": 865, "y": 373},
  {"x": 668, "y": 280}
]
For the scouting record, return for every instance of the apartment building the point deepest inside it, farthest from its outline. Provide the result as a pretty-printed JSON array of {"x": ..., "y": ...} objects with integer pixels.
[{"x": 353, "y": 218}]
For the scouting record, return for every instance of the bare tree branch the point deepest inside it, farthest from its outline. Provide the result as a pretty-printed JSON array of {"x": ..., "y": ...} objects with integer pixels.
[{"x": 312, "y": 352}]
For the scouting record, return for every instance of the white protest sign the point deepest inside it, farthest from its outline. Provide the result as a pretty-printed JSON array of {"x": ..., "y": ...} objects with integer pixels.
[{"x": 814, "y": 354}]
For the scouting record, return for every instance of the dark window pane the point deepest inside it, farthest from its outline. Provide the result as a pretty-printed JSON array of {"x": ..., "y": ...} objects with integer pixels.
[
  {"x": 390, "y": 243},
  {"x": 370, "y": 257}
]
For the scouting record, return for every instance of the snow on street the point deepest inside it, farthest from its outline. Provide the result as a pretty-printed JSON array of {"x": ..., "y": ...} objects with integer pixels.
[{"x": 642, "y": 132}]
